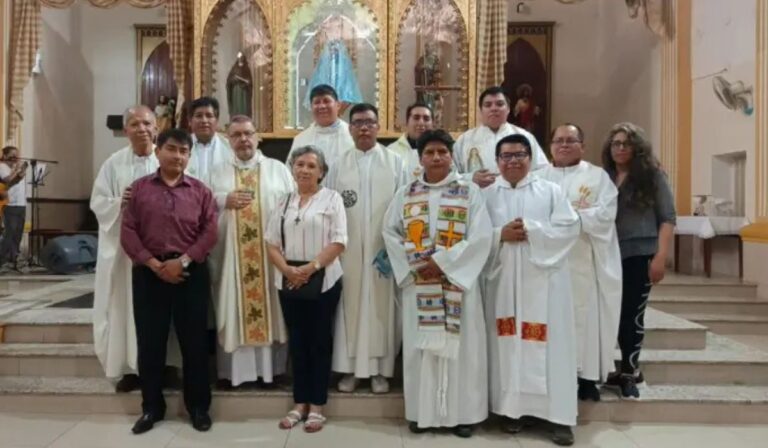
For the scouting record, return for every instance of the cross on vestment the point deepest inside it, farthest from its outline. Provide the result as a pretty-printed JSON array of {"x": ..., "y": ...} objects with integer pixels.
[{"x": 450, "y": 236}]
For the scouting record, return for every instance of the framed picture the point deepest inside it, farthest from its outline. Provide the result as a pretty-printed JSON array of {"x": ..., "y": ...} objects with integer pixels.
[{"x": 528, "y": 76}]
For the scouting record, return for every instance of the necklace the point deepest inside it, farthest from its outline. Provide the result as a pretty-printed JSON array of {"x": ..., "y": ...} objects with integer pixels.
[{"x": 299, "y": 215}]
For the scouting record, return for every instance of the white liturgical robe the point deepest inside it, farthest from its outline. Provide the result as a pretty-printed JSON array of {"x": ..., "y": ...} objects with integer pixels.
[
  {"x": 476, "y": 149},
  {"x": 240, "y": 362},
  {"x": 332, "y": 140},
  {"x": 595, "y": 264},
  {"x": 366, "y": 337},
  {"x": 410, "y": 156},
  {"x": 114, "y": 331},
  {"x": 205, "y": 157},
  {"x": 529, "y": 307},
  {"x": 442, "y": 391}
]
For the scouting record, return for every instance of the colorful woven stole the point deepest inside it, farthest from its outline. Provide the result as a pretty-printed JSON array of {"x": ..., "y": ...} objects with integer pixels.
[
  {"x": 438, "y": 300},
  {"x": 256, "y": 325}
]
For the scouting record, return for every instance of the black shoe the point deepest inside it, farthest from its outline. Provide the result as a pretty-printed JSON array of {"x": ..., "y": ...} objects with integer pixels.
[
  {"x": 463, "y": 431},
  {"x": 201, "y": 421},
  {"x": 224, "y": 384},
  {"x": 512, "y": 425},
  {"x": 414, "y": 428},
  {"x": 562, "y": 435},
  {"x": 145, "y": 423},
  {"x": 628, "y": 387},
  {"x": 613, "y": 379},
  {"x": 128, "y": 383},
  {"x": 588, "y": 390}
]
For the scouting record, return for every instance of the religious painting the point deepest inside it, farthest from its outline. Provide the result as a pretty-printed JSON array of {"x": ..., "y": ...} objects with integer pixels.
[
  {"x": 157, "y": 87},
  {"x": 332, "y": 42},
  {"x": 237, "y": 62},
  {"x": 432, "y": 63},
  {"x": 528, "y": 76}
]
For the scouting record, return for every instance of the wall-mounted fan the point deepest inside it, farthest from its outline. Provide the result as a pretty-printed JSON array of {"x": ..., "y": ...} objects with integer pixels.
[{"x": 734, "y": 96}]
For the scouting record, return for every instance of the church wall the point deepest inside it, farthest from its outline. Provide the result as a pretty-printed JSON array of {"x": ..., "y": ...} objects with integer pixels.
[
  {"x": 606, "y": 68},
  {"x": 88, "y": 72},
  {"x": 724, "y": 41}
]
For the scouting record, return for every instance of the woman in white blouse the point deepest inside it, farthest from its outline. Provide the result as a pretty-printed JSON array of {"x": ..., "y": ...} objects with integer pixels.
[{"x": 310, "y": 226}]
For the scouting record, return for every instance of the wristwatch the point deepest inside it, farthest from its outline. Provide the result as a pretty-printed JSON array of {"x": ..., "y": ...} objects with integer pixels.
[
  {"x": 185, "y": 261},
  {"x": 316, "y": 265}
]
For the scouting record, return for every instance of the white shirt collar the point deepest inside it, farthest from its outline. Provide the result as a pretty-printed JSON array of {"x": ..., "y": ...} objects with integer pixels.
[
  {"x": 527, "y": 180},
  {"x": 452, "y": 176},
  {"x": 255, "y": 160}
]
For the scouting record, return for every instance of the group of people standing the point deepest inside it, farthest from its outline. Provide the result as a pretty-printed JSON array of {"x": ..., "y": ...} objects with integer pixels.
[{"x": 504, "y": 280}]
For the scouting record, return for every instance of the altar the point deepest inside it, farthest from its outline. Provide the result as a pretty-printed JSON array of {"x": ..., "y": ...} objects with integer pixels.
[{"x": 262, "y": 57}]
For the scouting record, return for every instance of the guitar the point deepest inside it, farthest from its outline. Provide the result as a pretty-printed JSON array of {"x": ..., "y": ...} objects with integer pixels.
[{"x": 3, "y": 198}]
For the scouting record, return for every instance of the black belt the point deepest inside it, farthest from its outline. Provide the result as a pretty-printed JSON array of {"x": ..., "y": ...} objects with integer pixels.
[{"x": 168, "y": 256}]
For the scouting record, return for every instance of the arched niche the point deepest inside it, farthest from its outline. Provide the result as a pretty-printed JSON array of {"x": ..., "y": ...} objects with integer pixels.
[
  {"x": 432, "y": 62},
  {"x": 332, "y": 42},
  {"x": 237, "y": 53}
]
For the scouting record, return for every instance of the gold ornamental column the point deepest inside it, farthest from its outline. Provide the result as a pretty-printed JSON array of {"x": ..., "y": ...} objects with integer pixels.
[
  {"x": 677, "y": 102},
  {"x": 5, "y": 21}
]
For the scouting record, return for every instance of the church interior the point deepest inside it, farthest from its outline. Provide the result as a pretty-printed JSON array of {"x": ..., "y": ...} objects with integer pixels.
[{"x": 693, "y": 74}]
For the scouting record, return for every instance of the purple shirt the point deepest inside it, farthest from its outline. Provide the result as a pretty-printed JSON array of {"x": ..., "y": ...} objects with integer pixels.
[{"x": 161, "y": 220}]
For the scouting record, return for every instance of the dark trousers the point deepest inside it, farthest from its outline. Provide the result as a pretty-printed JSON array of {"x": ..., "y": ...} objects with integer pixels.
[
  {"x": 155, "y": 303},
  {"x": 13, "y": 221},
  {"x": 310, "y": 341},
  {"x": 634, "y": 299}
]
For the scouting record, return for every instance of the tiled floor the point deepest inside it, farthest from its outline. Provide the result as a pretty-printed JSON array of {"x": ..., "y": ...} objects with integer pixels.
[{"x": 108, "y": 431}]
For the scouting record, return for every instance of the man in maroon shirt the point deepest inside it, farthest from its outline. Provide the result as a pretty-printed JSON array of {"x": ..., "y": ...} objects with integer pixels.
[{"x": 168, "y": 229}]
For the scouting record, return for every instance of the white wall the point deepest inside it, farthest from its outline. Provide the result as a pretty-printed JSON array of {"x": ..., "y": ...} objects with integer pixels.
[
  {"x": 606, "y": 67},
  {"x": 722, "y": 39},
  {"x": 88, "y": 72}
]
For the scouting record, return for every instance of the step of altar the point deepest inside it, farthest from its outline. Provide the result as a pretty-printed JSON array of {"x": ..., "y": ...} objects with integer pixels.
[
  {"x": 46, "y": 359},
  {"x": 717, "y": 305},
  {"x": 662, "y": 404},
  {"x": 731, "y": 323},
  {"x": 61, "y": 325},
  {"x": 49, "y": 325},
  {"x": 689, "y": 285}
]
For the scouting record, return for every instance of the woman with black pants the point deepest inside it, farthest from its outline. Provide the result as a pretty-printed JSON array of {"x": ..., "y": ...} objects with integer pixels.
[
  {"x": 306, "y": 234},
  {"x": 645, "y": 223}
]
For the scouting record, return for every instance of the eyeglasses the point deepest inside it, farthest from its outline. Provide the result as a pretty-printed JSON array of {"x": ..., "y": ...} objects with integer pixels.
[
  {"x": 239, "y": 135},
  {"x": 368, "y": 123},
  {"x": 565, "y": 141},
  {"x": 509, "y": 156},
  {"x": 616, "y": 144}
]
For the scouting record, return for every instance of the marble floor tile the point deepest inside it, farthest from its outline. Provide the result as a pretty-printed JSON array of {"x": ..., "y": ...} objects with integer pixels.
[
  {"x": 252, "y": 433},
  {"x": 34, "y": 430},
  {"x": 114, "y": 431}
]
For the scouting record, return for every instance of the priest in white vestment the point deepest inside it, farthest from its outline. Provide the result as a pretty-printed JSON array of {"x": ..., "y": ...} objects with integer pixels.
[
  {"x": 114, "y": 331},
  {"x": 249, "y": 323},
  {"x": 438, "y": 236},
  {"x": 366, "y": 338},
  {"x": 475, "y": 151},
  {"x": 209, "y": 149},
  {"x": 595, "y": 260},
  {"x": 329, "y": 133},
  {"x": 529, "y": 307},
  {"x": 418, "y": 119}
]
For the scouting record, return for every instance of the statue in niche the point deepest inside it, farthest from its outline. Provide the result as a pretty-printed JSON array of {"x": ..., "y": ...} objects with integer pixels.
[
  {"x": 427, "y": 79},
  {"x": 164, "y": 112},
  {"x": 240, "y": 88},
  {"x": 525, "y": 110},
  {"x": 335, "y": 68}
]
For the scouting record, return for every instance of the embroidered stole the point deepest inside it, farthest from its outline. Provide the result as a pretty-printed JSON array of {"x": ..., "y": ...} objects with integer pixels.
[
  {"x": 253, "y": 303},
  {"x": 438, "y": 301}
]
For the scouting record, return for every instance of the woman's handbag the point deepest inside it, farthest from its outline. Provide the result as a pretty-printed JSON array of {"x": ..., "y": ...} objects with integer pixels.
[{"x": 314, "y": 287}]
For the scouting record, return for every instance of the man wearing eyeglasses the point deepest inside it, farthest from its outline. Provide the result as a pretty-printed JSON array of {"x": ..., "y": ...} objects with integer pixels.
[
  {"x": 474, "y": 150},
  {"x": 531, "y": 340},
  {"x": 366, "y": 338},
  {"x": 246, "y": 191},
  {"x": 595, "y": 261}
]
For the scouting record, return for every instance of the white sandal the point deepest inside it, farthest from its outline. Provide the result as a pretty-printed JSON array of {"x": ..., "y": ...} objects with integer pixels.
[
  {"x": 293, "y": 418},
  {"x": 314, "y": 422}
]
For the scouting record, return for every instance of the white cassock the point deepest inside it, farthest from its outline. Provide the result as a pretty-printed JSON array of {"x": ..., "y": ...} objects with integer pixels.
[
  {"x": 595, "y": 264},
  {"x": 476, "y": 149},
  {"x": 206, "y": 156},
  {"x": 366, "y": 336},
  {"x": 529, "y": 306},
  {"x": 442, "y": 390},
  {"x": 114, "y": 330},
  {"x": 242, "y": 358},
  {"x": 332, "y": 140},
  {"x": 402, "y": 147}
]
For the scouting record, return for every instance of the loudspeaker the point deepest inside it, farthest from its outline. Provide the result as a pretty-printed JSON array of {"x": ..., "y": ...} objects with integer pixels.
[
  {"x": 67, "y": 254},
  {"x": 115, "y": 122}
]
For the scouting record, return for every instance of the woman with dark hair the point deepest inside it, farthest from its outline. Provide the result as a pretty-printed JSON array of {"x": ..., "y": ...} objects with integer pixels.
[{"x": 645, "y": 223}]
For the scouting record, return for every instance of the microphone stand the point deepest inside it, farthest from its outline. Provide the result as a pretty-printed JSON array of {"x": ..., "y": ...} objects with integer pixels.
[{"x": 37, "y": 182}]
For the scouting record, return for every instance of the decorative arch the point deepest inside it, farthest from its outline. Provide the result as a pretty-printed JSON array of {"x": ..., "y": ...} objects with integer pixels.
[
  {"x": 458, "y": 28},
  {"x": 209, "y": 73}
]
